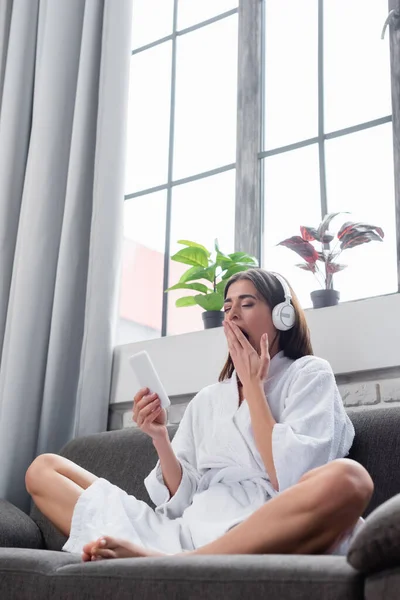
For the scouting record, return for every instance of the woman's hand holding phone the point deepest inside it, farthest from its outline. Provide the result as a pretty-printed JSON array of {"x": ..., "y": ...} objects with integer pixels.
[{"x": 148, "y": 414}]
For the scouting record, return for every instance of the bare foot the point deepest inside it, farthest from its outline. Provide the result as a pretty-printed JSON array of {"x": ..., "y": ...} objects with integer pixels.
[{"x": 108, "y": 547}]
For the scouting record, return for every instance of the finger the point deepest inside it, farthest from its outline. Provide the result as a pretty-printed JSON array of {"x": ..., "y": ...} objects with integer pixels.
[
  {"x": 265, "y": 358},
  {"x": 264, "y": 345},
  {"x": 86, "y": 557},
  {"x": 153, "y": 416},
  {"x": 145, "y": 401},
  {"x": 138, "y": 396},
  {"x": 142, "y": 392},
  {"x": 147, "y": 410},
  {"x": 149, "y": 416},
  {"x": 232, "y": 340},
  {"x": 141, "y": 404},
  {"x": 243, "y": 341}
]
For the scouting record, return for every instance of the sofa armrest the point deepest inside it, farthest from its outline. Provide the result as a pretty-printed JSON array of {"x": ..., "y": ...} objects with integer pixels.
[
  {"x": 376, "y": 546},
  {"x": 17, "y": 530}
]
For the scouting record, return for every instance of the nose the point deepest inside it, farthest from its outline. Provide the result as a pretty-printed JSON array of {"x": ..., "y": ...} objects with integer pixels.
[{"x": 232, "y": 315}]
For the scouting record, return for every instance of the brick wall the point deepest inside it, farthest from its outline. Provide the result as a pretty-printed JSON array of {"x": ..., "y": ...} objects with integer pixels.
[
  {"x": 371, "y": 388},
  {"x": 371, "y": 393}
]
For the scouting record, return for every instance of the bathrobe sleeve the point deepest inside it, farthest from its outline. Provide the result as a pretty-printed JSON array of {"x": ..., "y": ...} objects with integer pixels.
[
  {"x": 314, "y": 427},
  {"x": 184, "y": 446}
]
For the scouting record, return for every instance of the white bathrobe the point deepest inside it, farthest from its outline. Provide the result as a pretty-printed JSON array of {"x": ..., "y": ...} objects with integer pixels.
[{"x": 224, "y": 479}]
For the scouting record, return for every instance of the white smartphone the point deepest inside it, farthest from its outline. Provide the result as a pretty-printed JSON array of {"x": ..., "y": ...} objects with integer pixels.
[{"x": 147, "y": 376}]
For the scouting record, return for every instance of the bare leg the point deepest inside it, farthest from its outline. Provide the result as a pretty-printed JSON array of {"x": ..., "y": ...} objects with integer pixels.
[
  {"x": 307, "y": 518},
  {"x": 55, "y": 484}
]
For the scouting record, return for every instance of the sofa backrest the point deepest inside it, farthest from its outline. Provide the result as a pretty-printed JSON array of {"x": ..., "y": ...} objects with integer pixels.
[
  {"x": 377, "y": 447},
  {"x": 125, "y": 457}
]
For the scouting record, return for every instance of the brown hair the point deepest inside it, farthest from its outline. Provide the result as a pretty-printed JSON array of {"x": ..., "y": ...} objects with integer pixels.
[{"x": 296, "y": 342}]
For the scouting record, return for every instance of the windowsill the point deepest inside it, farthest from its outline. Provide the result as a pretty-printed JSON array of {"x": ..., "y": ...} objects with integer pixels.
[
  {"x": 346, "y": 302},
  {"x": 354, "y": 336}
]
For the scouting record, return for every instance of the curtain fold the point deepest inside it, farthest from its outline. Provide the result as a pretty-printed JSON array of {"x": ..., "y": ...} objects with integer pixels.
[{"x": 62, "y": 145}]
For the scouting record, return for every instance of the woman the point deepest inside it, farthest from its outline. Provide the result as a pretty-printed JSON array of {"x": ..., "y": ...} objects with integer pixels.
[{"x": 256, "y": 465}]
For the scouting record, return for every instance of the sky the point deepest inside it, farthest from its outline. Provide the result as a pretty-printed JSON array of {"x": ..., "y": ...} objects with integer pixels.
[{"x": 359, "y": 167}]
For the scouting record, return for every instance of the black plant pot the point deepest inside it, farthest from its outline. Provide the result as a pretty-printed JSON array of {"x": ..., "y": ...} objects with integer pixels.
[
  {"x": 212, "y": 318},
  {"x": 323, "y": 298}
]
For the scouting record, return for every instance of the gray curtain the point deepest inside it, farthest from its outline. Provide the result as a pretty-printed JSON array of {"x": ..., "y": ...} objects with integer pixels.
[{"x": 64, "y": 70}]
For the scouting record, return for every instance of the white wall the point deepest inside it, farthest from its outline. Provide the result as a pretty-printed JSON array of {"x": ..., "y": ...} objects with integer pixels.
[{"x": 353, "y": 336}]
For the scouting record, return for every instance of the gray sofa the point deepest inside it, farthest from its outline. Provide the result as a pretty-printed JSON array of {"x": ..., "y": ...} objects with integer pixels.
[{"x": 32, "y": 567}]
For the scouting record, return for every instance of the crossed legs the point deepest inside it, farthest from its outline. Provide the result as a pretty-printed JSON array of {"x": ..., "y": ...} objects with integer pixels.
[{"x": 307, "y": 518}]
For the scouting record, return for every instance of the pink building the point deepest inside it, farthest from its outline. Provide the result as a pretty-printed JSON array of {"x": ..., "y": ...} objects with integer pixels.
[{"x": 142, "y": 289}]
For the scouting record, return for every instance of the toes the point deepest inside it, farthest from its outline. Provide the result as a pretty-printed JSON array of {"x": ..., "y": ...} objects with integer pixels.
[
  {"x": 106, "y": 553},
  {"x": 107, "y": 542},
  {"x": 90, "y": 546}
]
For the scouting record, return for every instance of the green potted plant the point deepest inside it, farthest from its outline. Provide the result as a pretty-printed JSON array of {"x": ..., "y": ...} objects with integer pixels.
[
  {"x": 350, "y": 235},
  {"x": 214, "y": 270}
]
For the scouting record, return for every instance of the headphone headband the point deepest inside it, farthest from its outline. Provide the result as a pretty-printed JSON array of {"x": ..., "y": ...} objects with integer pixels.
[{"x": 286, "y": 289}]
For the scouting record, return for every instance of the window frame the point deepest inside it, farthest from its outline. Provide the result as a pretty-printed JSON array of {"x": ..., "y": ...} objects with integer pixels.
[
  {"x": 171, "y": 183},
  {"x": 249, "y": 165},
  {"x": 249, "y": 193}
]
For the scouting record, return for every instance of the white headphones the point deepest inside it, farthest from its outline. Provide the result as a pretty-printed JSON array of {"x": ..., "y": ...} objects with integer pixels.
[{"x": 283, "y": 314}]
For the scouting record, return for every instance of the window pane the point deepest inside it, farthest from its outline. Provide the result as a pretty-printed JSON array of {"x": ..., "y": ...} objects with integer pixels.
[
  {"x": 291, "y": 71},
  {"x": 191, "y": 12},
  {"x": 151, "y": 21},
  {"x": 148, "y": 119},
  {"x": 205, "y": 121},
  {"x": 360, "y": 180},
  {"x": 201, "y": 211},
  {"x": 140, "y": 308},
  {"x": 292, "y": 199},
  {"x": 357, "y": 63}
]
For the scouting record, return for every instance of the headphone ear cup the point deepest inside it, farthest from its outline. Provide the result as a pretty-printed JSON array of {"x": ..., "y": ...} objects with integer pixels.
[
  {"x": 276, "y": 316},
  {"x": 283, "y": 316}
]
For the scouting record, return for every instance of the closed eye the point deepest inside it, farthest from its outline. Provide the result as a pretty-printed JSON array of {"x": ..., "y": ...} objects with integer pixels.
[{"x": 243, "y": 306}]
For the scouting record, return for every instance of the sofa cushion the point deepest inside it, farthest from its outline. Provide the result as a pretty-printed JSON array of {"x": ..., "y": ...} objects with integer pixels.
[
  {"x": 48, "y": 575},
  {"x": 27, "y": 574},
  {"x": 376, "y": 546},
  {"x": 377, "y": 447},
  {"x": 17, "y": 530}
]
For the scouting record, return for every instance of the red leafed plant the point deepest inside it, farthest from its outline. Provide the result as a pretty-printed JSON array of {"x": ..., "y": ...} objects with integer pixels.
[{"x": 350, "y": 235}]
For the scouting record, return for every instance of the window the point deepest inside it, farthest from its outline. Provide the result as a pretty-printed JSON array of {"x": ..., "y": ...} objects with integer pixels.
[
  {"x": 207, "y": 159},
  {"x": 181, "y": 148},
  {"x": 327, "y": 136}
]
